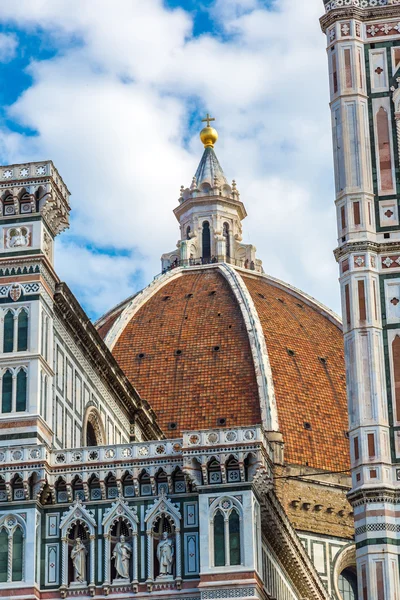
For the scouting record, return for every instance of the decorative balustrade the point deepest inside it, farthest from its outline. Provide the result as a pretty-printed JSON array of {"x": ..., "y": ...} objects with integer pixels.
[
  {"x": 138, "y": 451},
  {"x": 332, "y": 4},
  {"x": 223, "y": 437}
]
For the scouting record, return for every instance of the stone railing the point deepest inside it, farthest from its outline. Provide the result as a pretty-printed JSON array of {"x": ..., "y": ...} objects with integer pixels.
[
  {"x": 223, "y": 436},
  {"x": 232, "y": 436},
  {"x": 121, "y": 452},
  {"x": 22, "y": 454},
  {"x": 332, "y": 4}
]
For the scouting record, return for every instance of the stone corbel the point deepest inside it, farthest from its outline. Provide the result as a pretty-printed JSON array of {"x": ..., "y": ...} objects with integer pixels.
[
  {"x": 223, "y": 473},
  {"x": 8, "y": 491},
  {"x": 25, "y": 485},
  {"x": 16, "y": 201},
  {"x": 170, "y": 484},
  {"x": 86, "y": 491},
  {"x": 68, "y": 487},
  {"x": 103, "y": 490},
  {"x": 205, "y": 474}
]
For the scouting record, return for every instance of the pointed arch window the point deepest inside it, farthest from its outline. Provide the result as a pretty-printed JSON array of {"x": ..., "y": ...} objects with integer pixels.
[
  {"x": 226, "y": 533},
  {"x": 21, "y": 390},
  {"x": 22, "y": 331},
  {"x": 12, "y": 538},
  {"x": 8, "y": 339},
  {"x": 14, "y": 391},
  {"x": 219, "y": 539},
  {"x": 17, "y": 555},
  {"x": 6, "y": 395},
  {"x": 3, "y": 555},
  {"x": 206, "y": 241},
  {"x": 234, "y": 538},
  {"x": 15, "y": 331}
]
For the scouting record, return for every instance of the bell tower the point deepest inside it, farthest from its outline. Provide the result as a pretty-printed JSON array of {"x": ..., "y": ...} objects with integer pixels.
[
  {"x": 363, "y": 48},
  {"x": 34, "y": 208},
  {"x": 210, "y": 214}
]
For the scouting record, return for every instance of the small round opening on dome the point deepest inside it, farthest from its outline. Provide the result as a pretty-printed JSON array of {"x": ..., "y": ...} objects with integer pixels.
[
  {"x": 216, "y": 348},
  {"x": 299, "y": 305},
  {"x": 172, "y": 426},
  {"x": 221, "y": 422},
  {"x": 212, "y": 293},
  {"x": 261, "y": 295},
  {"x": 166, "y": 298},
  {"x": 322, "y": 360},
  {"x": 290, "y": 352},
  {"x": 307, "y": 426},
  {"x": 178, "y": 352},
  {"x": 141, "y": 355},
  {"x": 189, "y": 295},
  {"x": 280, "y": 300}
]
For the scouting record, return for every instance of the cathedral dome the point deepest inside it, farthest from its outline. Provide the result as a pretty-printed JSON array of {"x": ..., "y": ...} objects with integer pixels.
[{"x": 216, "y": 345}]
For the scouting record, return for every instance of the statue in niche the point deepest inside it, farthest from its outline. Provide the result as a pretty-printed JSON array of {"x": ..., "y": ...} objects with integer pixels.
[
  {"x": 165, "y": 555},
  {"x": 78, "y": 557},
  {"x": 122, "y": 555}
]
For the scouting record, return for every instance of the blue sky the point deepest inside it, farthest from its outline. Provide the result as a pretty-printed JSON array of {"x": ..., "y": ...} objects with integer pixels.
[{"x": 113, "y": 92}]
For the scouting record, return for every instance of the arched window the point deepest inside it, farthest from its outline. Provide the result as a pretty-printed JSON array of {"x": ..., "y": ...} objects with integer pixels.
[
  {"x": 90, "y": 435},
  {"x": 234, "y": 538},
  {"x": 21, "y": 390},
  {"x": 188, "y": 232},
  {"x": 348, "y": 584},
  {"x": 3, "y": 555},
  {"x": 385, "y": 160},
  {"x": 8, "y": 339},
  {"x": 227, "y": 239},
  {"x": 219, "y": 539},
  {"x": 22, "y": 331},
  {"x": 17, "y": 555},
  {"x": 11, "y": 549},
  {"x": 206, "y": 240},
  {"x": 6, "y": 399},
  {"x": 226, "y": 528}
]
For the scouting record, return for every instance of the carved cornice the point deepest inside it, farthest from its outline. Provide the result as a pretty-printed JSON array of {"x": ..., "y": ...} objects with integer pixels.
[
  {"x": 371, "y": 496},
  {"x": 85, "y": 335},
  {"x": 288, "y": 547},
  {"x": 366, "y": 246},
  {"x": 361, "y": 14}
]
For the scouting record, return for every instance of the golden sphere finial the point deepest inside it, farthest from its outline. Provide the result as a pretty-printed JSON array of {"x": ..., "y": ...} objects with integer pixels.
[{"x": 208, "y": 135}]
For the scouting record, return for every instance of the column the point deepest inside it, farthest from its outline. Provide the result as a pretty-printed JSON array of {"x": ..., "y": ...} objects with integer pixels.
[
  {"x": 64, "y": 562},
  {"x": 107, "y": 544},
  {"x": 135, "y": 556},
  {"x": 178, "y": 554},
  {"x": 150, "y": 566},
  {"x": 92, "y": 558}
]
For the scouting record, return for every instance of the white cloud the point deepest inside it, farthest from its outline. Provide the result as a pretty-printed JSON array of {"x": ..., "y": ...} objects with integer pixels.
[
  {"x": 112, "y": 112},
  {"x": 8, "y": 47}
]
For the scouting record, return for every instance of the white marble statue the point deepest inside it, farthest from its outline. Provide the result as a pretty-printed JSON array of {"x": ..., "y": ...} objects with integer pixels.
[
  {"x": 122, "y": 555},
  {"x": 78, "y": 557},
  {"x": 165, "y": 555}
]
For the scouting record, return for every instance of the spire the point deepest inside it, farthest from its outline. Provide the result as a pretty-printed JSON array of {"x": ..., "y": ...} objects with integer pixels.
[{"x": 209, "y": 169}]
